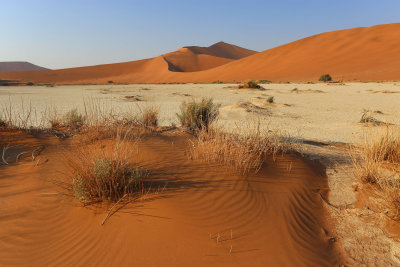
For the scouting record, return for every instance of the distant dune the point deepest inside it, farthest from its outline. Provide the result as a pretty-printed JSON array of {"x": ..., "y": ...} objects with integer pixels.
[
  {"x": 359, "y": 54},
  {"x": 197, "y": 58},
  {"x": 10, "y": 66}
]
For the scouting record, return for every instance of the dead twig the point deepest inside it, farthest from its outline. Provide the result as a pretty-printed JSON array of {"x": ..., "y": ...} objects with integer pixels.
[
  {"x": 109, "y": 212},
  {"x": 20, "y": 154},
  {"x": 33, "y": 153},
  {"x": 4, "y": 153}
]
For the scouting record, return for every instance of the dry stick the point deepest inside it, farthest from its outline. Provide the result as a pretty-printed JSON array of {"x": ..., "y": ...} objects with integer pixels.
[
  {"x": 109, "y": 212},
  {"x": 327, "y": 202},
  {"x": 20, "y": 154},
  {"x": 4, "y": 152},
  {"x": 33, "y": 153},
  {"x": 37, "y": 163},
  {"x": 230, "y": 251}
]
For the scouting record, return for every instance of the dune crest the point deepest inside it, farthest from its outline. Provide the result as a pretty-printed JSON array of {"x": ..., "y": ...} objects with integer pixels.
[{"x": 359, "y": 54}]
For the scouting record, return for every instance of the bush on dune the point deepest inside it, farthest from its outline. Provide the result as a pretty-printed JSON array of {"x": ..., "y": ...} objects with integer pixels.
[{"x": 325, "y": 78}]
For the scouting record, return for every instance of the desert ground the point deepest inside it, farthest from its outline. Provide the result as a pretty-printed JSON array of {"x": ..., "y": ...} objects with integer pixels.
[
  {"x": 299, "y": 208},
  {"x": 320, "y": 112}
]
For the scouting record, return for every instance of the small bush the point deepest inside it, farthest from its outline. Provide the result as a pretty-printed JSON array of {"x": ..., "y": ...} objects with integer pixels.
[
  {"x": 198, "y": 115},
  {"x": 325, "y": 78},
  {"x": 271, "y": 99},
  {"x": 105, "y": 170},
  {"x": 30, "y": 83},
  {"x": 295, "y": 90},
  {"x": 72, "y": 118},
  {"x": 150, "y": 116},
  {"x": 250, "y": 84},
  {"x": 106, "y": 180}
]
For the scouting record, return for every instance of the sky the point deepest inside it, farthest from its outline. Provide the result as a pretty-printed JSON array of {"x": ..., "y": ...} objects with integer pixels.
[{"x": 70, "y": 33}]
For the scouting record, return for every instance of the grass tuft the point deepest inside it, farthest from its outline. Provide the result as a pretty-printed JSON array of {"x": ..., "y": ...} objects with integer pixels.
[{"x": 198, "y": 115}]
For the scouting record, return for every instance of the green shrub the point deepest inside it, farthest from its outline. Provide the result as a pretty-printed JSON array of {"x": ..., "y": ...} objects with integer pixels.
[
  {"x": 198, "y": 115},
  {"x": 30, "y": 83},
  {"x": 271, "y": 99},
  {"x": 325, "y": 78},
  {"x": 72, "y": 118}
]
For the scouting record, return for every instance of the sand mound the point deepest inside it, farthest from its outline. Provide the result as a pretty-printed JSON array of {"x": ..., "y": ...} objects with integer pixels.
[{"x": 274, "y": 217}]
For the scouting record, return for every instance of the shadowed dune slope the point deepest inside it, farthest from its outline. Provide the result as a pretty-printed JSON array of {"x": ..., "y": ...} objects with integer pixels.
[
  {"x": 19, "y": 66},
  {"x": 272, "y": 218},
  {"x": 197, "y": 58},
  {"x": 366, "y": 54}
]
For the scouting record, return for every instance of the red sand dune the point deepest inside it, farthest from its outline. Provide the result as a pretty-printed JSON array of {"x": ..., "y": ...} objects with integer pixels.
[
  {"x": 276, "y": 216},
  {"x": 196, "y": 58},
  {"x": 367, "y": 54}
]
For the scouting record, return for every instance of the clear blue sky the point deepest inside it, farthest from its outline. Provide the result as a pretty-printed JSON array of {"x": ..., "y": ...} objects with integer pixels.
[{"x": 68, "y": 33}]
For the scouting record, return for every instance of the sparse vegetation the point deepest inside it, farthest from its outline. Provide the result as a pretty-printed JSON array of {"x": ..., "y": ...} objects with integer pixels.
[
  {"x": 250, "y": 85},
  {"x": 30, "y": 83},
  {"x": 271, "y": 99},
  {"x": 198, "y": 115},
  {"x": 377, "y": 163},
  {"x": 367, "y": 118},
  {"x": 105, "y": 173},
  {"x": 325, "y": 78},
  {"x": 243, "y": 150},
  {"x": 295, "y": 90},
  {"x": 72, "y": 118},
  {"x": 149, "y": 116},
  {"x": 264, "y": 81}
]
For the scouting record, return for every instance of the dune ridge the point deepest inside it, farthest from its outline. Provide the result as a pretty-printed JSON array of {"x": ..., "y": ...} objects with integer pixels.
[
  {"x": 359, "y": 54},
  {"x": 273, "y": 217}
]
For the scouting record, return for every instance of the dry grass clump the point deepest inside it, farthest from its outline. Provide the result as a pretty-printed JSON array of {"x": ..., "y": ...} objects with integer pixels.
[
  {"x": 106, "y": 171},
  {"x": 377, "y": 162},
  {"x": 367, "y": 117},
  {"x": 243, "y": 150},
  {"x": 250, "y": 85},
  {"x": 198, "y": 115},
  {"x": 149, "y": 116}
]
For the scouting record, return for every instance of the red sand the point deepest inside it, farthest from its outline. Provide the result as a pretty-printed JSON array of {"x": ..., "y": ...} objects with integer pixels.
[
  {"x": 276, "y": 216},
  {"x": 367, "y": 54}
]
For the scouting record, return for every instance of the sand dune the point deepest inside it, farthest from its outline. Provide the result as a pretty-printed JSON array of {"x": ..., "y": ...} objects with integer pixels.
[
  {"x": 367, "y": 54},
  {"x": 187, "y": 59},
  {"x": 197, "y": 58},
  {"x": 274, "y": 217},
  {"x": 19, "y": 66}
]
